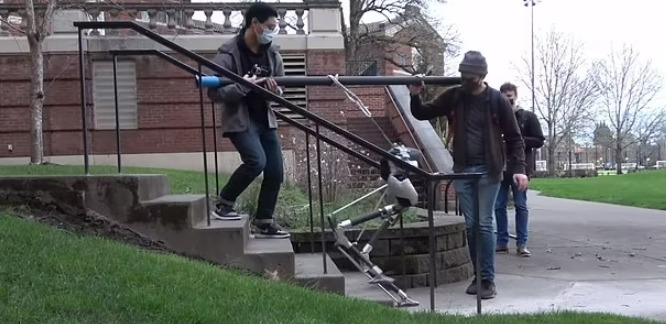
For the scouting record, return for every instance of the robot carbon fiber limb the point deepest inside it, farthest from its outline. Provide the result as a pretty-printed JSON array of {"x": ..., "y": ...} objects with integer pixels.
[{"x": 401, "y": 195}]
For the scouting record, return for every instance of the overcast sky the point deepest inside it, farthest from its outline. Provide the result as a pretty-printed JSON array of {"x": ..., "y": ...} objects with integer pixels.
[{"x": 500, "y": 29}]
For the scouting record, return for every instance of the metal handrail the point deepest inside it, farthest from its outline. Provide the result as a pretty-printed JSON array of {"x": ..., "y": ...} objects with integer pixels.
[
  {"x": 266, "y": 94},
  {"x": 284, "y": 117}
]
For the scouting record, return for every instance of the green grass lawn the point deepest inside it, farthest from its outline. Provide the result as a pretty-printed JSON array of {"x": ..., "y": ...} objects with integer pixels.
[
  {"x": 49, "y": 275},
  {"x": 642, "y": 189}
]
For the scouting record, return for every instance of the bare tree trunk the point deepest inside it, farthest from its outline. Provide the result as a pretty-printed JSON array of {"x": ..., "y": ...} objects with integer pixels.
[
  {"x": 551, "y": 159},
  {"x": 36, "y": 101},
  {"x": 569, "y": 158},
  {"x": 618, "y": 155},
  {"x": 353, "y": 37},
  {"x": 38, "y": 26}
]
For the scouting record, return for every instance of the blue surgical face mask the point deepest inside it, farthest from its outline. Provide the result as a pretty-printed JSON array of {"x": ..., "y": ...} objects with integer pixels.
[{"x": 266, "y": 37}]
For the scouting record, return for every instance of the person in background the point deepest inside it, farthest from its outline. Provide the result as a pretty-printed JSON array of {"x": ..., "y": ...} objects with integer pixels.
[
  {"x": 530, "y": 128},
  {"x": 482, "y": 121},
  {"x": 248, "y": 120}
]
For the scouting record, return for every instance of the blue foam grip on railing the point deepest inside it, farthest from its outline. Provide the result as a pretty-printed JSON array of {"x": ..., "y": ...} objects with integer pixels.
[{"x": 208, "y": 81}]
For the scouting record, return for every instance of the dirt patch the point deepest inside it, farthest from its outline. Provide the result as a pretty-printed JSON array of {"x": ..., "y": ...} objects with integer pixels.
[{"x": 91, "y": 224}]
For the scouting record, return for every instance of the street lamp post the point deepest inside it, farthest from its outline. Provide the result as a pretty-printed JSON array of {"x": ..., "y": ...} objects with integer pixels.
[{"x": 531, "y": 4}]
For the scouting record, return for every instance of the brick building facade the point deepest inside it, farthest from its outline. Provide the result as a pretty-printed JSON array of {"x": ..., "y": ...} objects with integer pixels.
[{"x": 160, "y": 104}]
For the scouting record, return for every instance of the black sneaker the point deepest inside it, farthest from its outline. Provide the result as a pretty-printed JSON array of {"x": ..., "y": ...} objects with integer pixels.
[
  {"x": 488, "y": 289},
  {"x": 271, "y": 230},
  {"x": 471, "y": 289},
  {"x": 224, "y": 212}
]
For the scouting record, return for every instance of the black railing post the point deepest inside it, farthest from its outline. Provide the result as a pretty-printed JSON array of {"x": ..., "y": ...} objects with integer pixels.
[
  {"x": 446, "y": 199},
  {"x": 217, "y": 176},
  {"x": 433, "y": 205},
  {"x": 203, "y": 143},
  {"x": 477, "y": 243},
  {"x": 321, "y": 200},
  {"x": 307, "y": 154},
  {"x": 84, "y": 110},
  {"x": 431, "y": 238},
  {"x": 115, "y": 99},
  {"x": 402, "y": 246},
  {"x": 458, "y": 207}
]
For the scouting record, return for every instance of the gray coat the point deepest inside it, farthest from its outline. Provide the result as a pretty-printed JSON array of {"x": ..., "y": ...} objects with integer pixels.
[{"x": 235, "y": 116}]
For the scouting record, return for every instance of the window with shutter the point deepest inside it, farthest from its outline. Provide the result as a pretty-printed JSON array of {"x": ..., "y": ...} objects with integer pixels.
[
  {"x": 294, "y": 65},
  {"x": 103, "y": 99}
]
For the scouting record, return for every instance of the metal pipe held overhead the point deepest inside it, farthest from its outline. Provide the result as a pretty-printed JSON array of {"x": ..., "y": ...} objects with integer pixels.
[{"x": 301, "y": 81}]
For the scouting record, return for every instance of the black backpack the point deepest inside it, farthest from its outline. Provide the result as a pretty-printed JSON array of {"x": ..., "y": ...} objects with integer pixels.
[{"x": 520, "y": 118}]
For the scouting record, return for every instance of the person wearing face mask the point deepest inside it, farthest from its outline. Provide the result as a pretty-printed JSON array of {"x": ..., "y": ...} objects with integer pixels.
[
  {"x": 482, "y": 121},
  {"x": 249, "y": 122},
  {"x": 532, "y": 133}
]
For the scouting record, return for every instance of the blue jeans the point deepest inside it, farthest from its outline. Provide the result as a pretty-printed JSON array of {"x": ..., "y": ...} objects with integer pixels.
[
  {"x": 520, "y": 203},
  {"x": 487, "y": 194},
  {"x": 260, "y": 151}
]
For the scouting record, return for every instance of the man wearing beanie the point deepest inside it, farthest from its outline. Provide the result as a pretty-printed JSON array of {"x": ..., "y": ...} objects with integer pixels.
[{"x": 482, "y": 122}]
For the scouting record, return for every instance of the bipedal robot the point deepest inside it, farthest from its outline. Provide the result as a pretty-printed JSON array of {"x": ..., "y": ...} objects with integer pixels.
[{"x": 400, "y": 195}]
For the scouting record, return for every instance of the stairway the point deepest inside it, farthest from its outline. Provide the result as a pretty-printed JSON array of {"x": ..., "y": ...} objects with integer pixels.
[
  {"x": 144, "y": 204},
  {"x": 231, "y": 243}
]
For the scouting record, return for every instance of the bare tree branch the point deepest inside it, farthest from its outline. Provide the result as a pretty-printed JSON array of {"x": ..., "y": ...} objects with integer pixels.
[
  {"x": 649, "y": 126},
  {"x": 13, "y": 26},
  {"x": 397, "y": 13},
  {"x": 564, "y": 90},
  {"x": 628, "y": 87}
]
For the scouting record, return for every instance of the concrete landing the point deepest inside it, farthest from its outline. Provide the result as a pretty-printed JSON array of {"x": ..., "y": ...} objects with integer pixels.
[
  {"x": 310, "y": 273},
  {"x": 586, "y": 256}
]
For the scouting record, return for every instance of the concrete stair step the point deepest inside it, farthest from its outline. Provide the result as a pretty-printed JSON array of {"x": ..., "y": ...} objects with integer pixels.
[
  {"x": 310, "y": 273},
  {"x": 271, "y": 257},
  {"x": 181, "y": 211},
  {"x": 222, "y": 240}
]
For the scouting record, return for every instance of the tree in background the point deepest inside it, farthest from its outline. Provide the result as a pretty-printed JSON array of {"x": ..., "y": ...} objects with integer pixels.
[
  {"x": 648, "y": 131},
  {"x": 36, "y": 27},
  {"x": 565, "y": 91},
  {"x": 603, "y": 137},
  {"x": 628, "y": 86},
  {"x": 408, "y": 38},
  {"x": 393, "y": 10}
]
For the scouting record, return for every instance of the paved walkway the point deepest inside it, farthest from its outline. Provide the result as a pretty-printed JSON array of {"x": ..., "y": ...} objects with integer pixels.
[{"x": 585, "y": 257}]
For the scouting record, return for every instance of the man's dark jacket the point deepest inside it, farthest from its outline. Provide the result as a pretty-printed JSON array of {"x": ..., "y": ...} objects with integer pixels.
[
  {"x": 532, "y": 133},
  {"x": 505, "y": 129}
]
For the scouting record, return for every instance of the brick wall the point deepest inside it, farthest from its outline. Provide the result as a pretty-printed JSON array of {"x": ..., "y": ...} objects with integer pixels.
[
  {"x": 168, "y": 106},
  {"x": 169, "y": 113},
  {"x": 168, "y": 109}
]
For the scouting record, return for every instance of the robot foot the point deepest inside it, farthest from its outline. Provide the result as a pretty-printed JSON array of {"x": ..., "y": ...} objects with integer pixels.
[
  {"x": 381, "y": 279},
  {"x": 407, "y": 302}
]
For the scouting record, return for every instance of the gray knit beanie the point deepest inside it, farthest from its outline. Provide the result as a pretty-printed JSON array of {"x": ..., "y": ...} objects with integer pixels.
[{"x": 474, "y": 63}]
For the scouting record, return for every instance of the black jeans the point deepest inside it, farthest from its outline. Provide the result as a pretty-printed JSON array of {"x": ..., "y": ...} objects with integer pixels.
[{"x": 260, "y": 151}]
